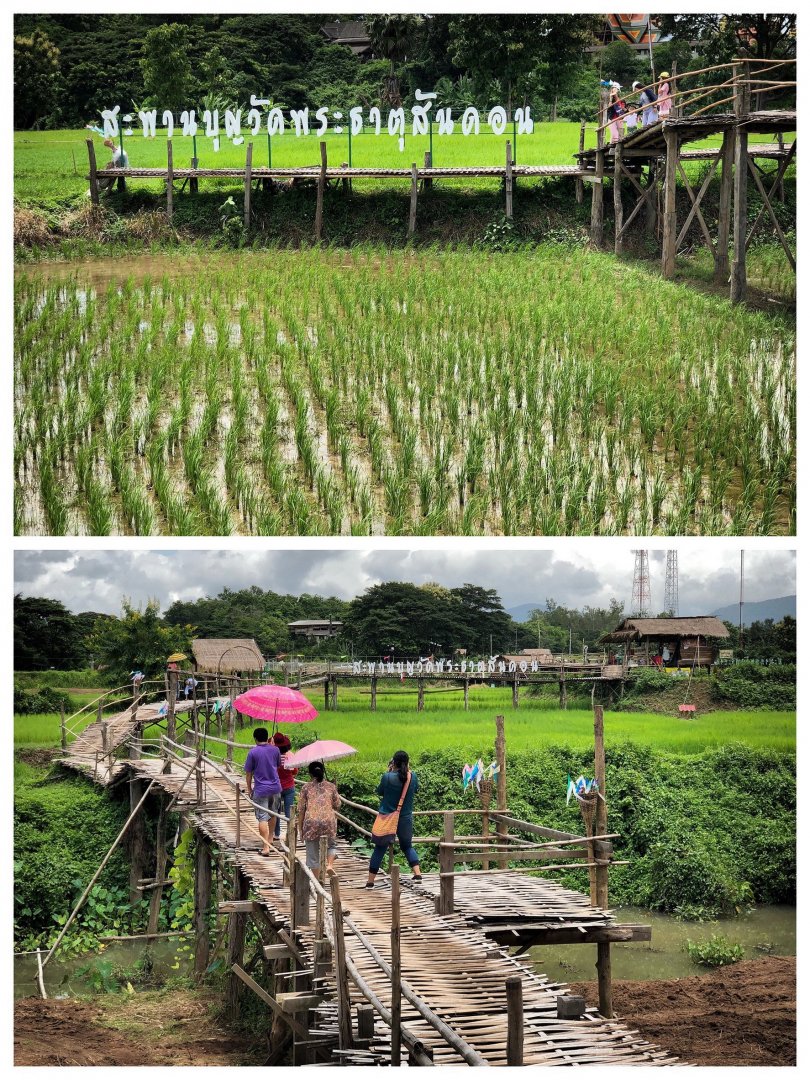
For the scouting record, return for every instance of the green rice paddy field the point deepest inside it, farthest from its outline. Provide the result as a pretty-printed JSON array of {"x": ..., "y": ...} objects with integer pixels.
[
  {"x": 538, "y": 392},
  {"x": 444, "y": 723}
]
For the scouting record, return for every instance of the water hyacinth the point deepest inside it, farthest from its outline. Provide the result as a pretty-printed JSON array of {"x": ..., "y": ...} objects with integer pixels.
[{"x": 369, "y": 392}]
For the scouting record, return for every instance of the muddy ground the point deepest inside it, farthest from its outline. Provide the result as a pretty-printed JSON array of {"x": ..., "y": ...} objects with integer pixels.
[{"x": 740, "y": 1015}]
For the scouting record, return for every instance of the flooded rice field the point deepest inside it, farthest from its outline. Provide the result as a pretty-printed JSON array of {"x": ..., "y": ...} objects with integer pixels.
[{"x": 319, "y": 392}]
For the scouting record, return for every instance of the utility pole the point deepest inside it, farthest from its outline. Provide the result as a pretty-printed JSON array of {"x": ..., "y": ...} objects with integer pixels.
[{"x": 742, "y": 579}]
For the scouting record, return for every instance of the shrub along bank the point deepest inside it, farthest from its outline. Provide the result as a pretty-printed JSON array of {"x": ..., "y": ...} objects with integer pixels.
[
  {"x": 747, "y": 685},
  {"x": 705, "y": 835}
]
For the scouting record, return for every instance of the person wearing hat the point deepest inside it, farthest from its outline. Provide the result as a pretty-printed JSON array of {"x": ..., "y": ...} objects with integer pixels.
[
  {"x": 631, "y": 119},
  {"x": 664, "y": 95},
  {"x": 286, "y": 777}
]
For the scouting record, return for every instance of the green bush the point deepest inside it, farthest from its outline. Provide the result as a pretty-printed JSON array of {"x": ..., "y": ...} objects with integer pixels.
[
  {"x": 42, "y": 700},
  {"x": 716, "y": 952},
  {"x": 756, "y": 686},
  {"x": 32, "y": 679}
]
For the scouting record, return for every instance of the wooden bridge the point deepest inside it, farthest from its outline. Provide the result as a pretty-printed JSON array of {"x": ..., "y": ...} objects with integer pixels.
[{"x": 360, "y": 976}]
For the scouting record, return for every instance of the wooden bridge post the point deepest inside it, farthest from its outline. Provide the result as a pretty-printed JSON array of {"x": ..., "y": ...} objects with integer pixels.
[
  {"x": 597, "y": 200},
  {"x": 171, "y": 700},
  {"x": 326, "y": 693},
  {"x": 501, "y": 829},
  {"x": 580, "y": 186},
  {"x": 194, "y": 183},
  {"x": 230, "y": 735},
  {"x": 670, "y": 231},
  {"x": 160, "y": 868},
  {"x": 248, "y": 183},
  {"x": 724, "y": 209},
  {"x": 396, "y": 968},
  {"x": 374, "y": 693},
  {"x": 91, "y": 154},
  {"x": 334, "y": 692},
  {"x": 742, "y": 105},
  {"x": 62, "y": 726},
  {"x": 365, "y": 1024},
  {"x": 447, "y": 867},
  {"x": 319, "y": 195},
  {"x": 508, "y": 181},
  {"x": 202, "y": 902},
  {"x": 420, "y": 695},
  {"x": 237, "y": 925},
  {"x": 414, "y": 197},
  {"x": 514, "y": 1020},
  {"x": 467, "y": 694},
  {"x": 136, "y": 841},
  {"x": 300, "y": 896},
  {"x": 618, "y": 213},
  {"x": 651, "y": 205},
  {"x": 427, "y": 183},
  {"x": 603, "y": 971},
  {"x": 169, "y": 181},
  {"x": 341, "y": 974},
  {"x": 515, "y": 694},
  {"x": 563, "y": 691}
]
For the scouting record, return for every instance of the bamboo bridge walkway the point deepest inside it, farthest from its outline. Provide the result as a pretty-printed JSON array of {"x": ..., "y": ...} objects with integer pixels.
[{"x": 428, "y": 962}]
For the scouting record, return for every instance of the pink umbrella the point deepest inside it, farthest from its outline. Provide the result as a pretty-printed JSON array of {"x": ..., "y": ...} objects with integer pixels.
[
  {"x": 275, "y": 704},
  {"x": 320, "y": 750}
]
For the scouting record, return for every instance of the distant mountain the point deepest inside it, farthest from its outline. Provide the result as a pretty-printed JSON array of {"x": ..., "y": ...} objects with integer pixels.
[
  {"x": 523, "y": 611},
  {"x": 757, "y": 612}
]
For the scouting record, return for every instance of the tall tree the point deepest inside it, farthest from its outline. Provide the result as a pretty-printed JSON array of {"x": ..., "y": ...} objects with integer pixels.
[
  {"x": 166, "y": 65},
  {"x": 36, "y": 80},
  {"x": 140, "y": 639},
  {"x": 721, "y": 37},
  {"x": 45, "y": 635},
  {"x": 393, "y": 38}
]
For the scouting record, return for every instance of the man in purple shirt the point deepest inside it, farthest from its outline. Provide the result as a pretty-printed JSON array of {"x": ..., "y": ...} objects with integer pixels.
[{"x": 263, "y": 784}]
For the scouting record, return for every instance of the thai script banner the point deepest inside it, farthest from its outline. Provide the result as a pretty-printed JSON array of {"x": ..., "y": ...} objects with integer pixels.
[
  {"x": 276, "y": 121},
  {"x": 443, "y": 667}
]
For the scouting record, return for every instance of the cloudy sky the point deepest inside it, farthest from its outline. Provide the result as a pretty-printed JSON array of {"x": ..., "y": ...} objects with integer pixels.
[{"x": 573, "y": 573}]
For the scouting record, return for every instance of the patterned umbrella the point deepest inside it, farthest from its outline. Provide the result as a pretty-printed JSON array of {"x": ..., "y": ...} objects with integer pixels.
[
  {"x": 275, "y": 704},
  {"x": 320, "y": 750}
]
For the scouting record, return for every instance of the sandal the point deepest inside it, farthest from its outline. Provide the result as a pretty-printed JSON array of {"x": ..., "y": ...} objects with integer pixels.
[
  {"x": 416, "y": 879},
  {"x": 265, "y": 854}
]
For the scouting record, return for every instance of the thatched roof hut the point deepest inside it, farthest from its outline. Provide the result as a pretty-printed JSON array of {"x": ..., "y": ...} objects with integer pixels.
[
  {"x": 632, "y": 629},
  {"x": 225, "y": 656}
]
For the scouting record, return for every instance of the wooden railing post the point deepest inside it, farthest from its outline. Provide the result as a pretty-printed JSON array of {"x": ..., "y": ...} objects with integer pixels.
[
  {"x": 91, "y": 153},
  {"x": 237, "y": 924},
  {"x": 414, "y": 197},
  {"x": 169, "y": 181},
  {"x": 721, "y": 270},
  {"x": 597, "y": 199},
  {"x": 341, "y": 974},
  {"x": 447, "y": 871},
  {"x": 248, "y": 183},
  {"x": 514, "y": 1020},
  {"x": 508, "y": 181},
  {"x": 501, "y": 829},
  {"x": 238, "y": 817},
  {"x": 160, "y": 868},
  {"x": 427, "y": 183},
  {"x": 202, "y": 901},
  {"x": 396, "y": 969},
  {"x": 420, "y": 695},
  {"x": 580, "y": 186},
  {"x": 603, "y": 970},
  {"x": 230, "y": 735},
  {"x": 62, "y": 727},
  {"x": 618, "y": 213},
  {"x": 319, "y": 196}
]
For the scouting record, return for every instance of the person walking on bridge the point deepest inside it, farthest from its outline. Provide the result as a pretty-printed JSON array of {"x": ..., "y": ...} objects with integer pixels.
[
  {"x": 263, "y": 785},
  {"x": 317, "y": 802},
  {"x": 397, "y": 788}
]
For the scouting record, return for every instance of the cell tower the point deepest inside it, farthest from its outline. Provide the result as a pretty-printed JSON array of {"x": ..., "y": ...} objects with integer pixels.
[
  {"x": 640, "y": 603},
  {"x": 671, "y": 585}
]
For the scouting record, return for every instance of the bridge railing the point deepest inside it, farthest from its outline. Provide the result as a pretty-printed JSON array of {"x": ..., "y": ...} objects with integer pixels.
[{"x": 729, "y": 89}]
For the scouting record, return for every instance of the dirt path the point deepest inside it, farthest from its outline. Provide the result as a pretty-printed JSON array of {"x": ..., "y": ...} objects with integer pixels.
[
  {"x": 741, "y": 1015},
  {"x": 744, "y": 1014}
]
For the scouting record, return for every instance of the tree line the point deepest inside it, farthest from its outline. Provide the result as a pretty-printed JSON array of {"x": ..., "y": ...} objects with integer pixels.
[
  {"x": 69, "y": 67},
  {"x": 396, "y": 619}
]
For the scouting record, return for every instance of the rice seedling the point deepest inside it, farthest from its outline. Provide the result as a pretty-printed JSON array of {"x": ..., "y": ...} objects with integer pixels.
[{"x": 323, "y": 392}]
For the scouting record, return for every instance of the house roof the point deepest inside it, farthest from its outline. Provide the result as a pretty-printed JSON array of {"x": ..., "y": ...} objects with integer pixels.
[
  {"x": 351, "y": 33},
  {"x": 226, "y": 655},
  {"x": 691, "y": 626}
]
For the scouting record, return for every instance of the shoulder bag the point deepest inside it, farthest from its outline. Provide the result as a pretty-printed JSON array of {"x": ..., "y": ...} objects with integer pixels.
[{"x": 384, "y": 829}]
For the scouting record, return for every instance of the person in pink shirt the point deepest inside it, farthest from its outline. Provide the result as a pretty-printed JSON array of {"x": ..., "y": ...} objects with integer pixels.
[
  {"x": 664, "y": 96},
  {"x": 286, "y": 777}
]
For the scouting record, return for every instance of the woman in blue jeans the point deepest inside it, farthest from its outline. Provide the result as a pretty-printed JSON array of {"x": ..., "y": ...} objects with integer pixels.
[{"x": 390, "y": 788}]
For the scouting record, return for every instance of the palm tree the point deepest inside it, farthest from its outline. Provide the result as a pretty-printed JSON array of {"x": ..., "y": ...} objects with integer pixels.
[{"x": 391, "y": 38}]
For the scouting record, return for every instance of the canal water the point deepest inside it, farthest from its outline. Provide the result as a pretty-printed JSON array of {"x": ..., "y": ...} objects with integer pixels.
[{"x": 766, "y": 930}]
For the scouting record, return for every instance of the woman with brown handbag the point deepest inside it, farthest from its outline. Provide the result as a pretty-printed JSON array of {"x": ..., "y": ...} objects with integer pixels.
[{"x": 395, "y": 817}]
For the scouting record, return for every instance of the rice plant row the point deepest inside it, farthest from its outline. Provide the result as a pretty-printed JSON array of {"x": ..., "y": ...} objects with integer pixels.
[{"x": 329, "y": 392}]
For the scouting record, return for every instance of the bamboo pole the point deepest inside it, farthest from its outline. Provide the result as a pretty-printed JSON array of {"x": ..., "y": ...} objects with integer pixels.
[
  {"x": 617, "y": 199},
  {"x": 237, "y": 925},
  {"x": 508, "y": 182},
  {"x": 160, "y": 869},
  {"x": 501, "y": 827},
  {"x": 580, "y": 187},
  {"x": 724, "y": 210},
  {"x": 739, "y": 283},
  {"x": 202, "y": 901},
  {"x": 414, "y": 196},
  {"x": 169, "y": 181},
  {"x": 97, "y": 874},
  {"x": 603, "y": 967},
  {"x": 62, "y": 727},
  {"x": 396, "y": 968},
  {"x": 597, "y": 199},
  {"x": 670, "y": 206},
  {"x": 40, "y": 975},
  {"x": 445, "y": 899}
]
